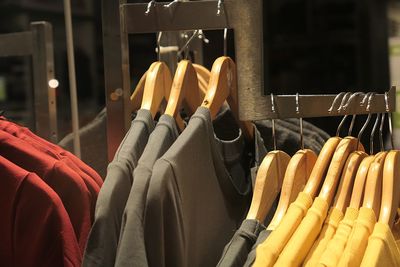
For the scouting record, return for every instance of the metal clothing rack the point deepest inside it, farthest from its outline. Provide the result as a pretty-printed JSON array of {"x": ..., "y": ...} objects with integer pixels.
[
  {"x": 246, "y": 19},
  {"x": 37, "y": 43}
]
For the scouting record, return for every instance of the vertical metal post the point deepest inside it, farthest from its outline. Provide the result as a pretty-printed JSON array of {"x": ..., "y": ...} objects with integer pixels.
[
  {"x": 45, "y": 111},
  {"x": 117, "y": 99}
]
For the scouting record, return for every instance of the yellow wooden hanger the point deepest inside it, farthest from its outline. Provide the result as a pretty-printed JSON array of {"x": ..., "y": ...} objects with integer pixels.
[
  {"x": 203, "y": 75},
  {"x": 390, "y": 188},
  {"x": 185, "y": 88},
  {"x": 268, "y": 184},
  {"x": 359, "y": 182},
  {"x": 223, "y": 86},
  {"x": 297, "y": 173},
  {"x": 157, "y": 87},
  {"x": 344, "y": 193}
]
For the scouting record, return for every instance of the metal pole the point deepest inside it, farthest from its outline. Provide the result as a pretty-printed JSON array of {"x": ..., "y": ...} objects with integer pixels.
[{"x": 72, "y": 77}]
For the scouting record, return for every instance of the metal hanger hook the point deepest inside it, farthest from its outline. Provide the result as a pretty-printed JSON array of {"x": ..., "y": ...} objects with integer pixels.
[
  {"x": 389, "y": 119},
  {"x": 186, "y": 45},
  {"x": 171, "y": 3},
  {"x": 382, "y": 145},
  {"x": 301, "y": 121},
  {"x": 149, "y": 6},
  {"x": 159, "y": 34},
  {"x": 371, "y": 138},
  {"x": 219, "y": 7},
  {"x": 273, "y": 120},
  {"x": 337, "y": 97},
  {"x": 368, "y": 96},
  {"x": 343, "y": 102},
  {"x": 354, "y": 116}
]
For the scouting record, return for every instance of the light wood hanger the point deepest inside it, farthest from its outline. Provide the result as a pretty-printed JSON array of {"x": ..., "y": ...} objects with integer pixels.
[
  {"x": 185, "y": 88},
  {"x": 345, "y": 147},
  {"x": 223, "y": 86},
  {"x": 157, "y": 87},
  {"x": 373, "y": 186},
  {"x": 359, "y": 182},
  {"x": 344, "y": 193},
  {"x": 297, "y": 173},
  {"x": 390, "y": 188},
  {"x": 203, "y": 75},
  {"x": 268, "y": 184},
  {"x": 321, "y": 166}
]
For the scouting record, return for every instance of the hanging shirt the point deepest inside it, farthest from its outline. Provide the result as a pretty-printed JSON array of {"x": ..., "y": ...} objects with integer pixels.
[
  {"x": 52, "y": 149},
  {"x": 103, "y": 240},
  {"x": 358, "y": 239},
  {"x": 236, "y": 251},
  {"x": 268, "y": 252},
  {"x": 303, "y": 238},
  {"x": 131, "y": 246},
  {"x": 91, "y": 135},
  {"x": 335, "y": 247},
  {"x": 382, "y": 249},
  {"x": 326, "y": 234},
  {"x": 35, "y": 229},
  {"x": 63, "y": 180},
  {"x": 26, "y": 135},
  {"x": 198, "y": 196}
]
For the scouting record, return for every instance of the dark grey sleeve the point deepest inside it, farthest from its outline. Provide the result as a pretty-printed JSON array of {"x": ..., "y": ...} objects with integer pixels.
[
  {"x": 252, "y": 255},
  {"x": 236, "y": 251}
]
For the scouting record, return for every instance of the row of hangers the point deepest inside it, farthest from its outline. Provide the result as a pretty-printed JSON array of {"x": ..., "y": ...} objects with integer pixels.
[{"x": 343, "y": 174}]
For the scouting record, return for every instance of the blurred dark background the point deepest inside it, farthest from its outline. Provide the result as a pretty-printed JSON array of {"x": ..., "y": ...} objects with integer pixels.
[{"x": 311, "y": 47}]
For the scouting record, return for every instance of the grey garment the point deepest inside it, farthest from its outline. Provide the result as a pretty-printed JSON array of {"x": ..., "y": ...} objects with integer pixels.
[
  {"x": 194, "y": 204},
  {"x": 252, "y": 255},
  {"x": 237, "y": 250},
  {"x": 103, "y": 238},
  {"x": 310, "y": 127},
  {"x": 286, "y": 139},
  {"x": 93, "y": 137},
  {"x": 131, "y": 247}
]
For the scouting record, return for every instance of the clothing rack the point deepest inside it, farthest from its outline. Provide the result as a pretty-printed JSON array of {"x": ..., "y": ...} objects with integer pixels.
[
  {"x": 37, "y": 43},
  {"x": 246, "y": 19}
]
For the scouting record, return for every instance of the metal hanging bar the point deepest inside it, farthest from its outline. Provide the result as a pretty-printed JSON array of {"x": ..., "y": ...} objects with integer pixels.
[
  {"x": 72, "y": 78},
  {"x": 38, "y": 43}
]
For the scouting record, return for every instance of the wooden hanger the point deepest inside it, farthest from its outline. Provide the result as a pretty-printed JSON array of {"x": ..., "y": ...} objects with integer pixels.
[
  {"x": 345, "y": 147},
  {"x": 223, "y": 86},
  {"x": 373, "y": 186},
  {"x": 268, "y": 184},
  {"x": 343, "y": 195},
  {"x": 390, "y": 188},
  {"x": 359, "y": 182},
  {"x": 321, "y": 165},
  {"x": 297, "y": 173},
  {"x": 203, "y": 75},
  {"x": 185, "y": 88},
  {"x": 157, "y": 87}
]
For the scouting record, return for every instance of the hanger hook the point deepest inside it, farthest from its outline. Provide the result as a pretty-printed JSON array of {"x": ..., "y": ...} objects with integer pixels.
[
  {"x": 159, "y": 34},
  {"x": 371, "y": 138},
  {"x": 389, "y": 119},
  {"x": 219, "y": 7},
  {"x": 149, "y": 6},
  {"x": 354, "y": 116},
  {"x": 344, "y": 99},
  {"x": 186, "y": 45},
  {"x": 382, "y": 145},
  {"x": 171, "y": 3},
  {"x": 301, "y": 121},
  {"x": 337, "y": 97},
  {"x": 368, "y": 96},
  {"x": 273, "y": 120}
]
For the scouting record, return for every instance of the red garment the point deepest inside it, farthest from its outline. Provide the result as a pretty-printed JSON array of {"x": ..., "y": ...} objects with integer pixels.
[
  {"x": 55, "y": 149},
  {"x": 63, "y": 180},
  {"x": 26, "y": 135},
  {"x": 35, "y": 229}
]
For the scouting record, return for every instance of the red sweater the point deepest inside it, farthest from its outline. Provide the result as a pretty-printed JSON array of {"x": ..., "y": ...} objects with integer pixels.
[
  {"x": 55, "y": 149},
  {"x": 35, "y": 229},
  {"x": 38, "y": 143},
  {"x": 63, "y": 180}
]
